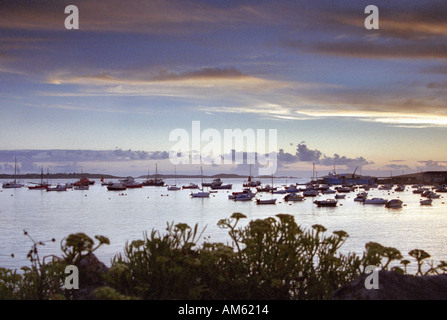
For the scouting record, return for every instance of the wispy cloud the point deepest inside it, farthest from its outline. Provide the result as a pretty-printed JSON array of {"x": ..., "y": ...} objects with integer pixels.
[{"x": 137, "y": 16}]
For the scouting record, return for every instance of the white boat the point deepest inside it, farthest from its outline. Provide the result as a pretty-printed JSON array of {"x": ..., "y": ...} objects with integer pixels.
[
  {"x": 130, "y": 183},
  {"x": 174, "y": 186},
  {"x": 426, "y": 202},
  {"x": 294, "y": 197},
  {"x": 201, "y": 193},
  {"x": 85, "y": 187},
  {"x": 12, "y": 185},
  {"x": 375, "y": 201},
  {"x": 59, "y": 187},
  {"x": 361, "y": 197},
  {"x": 394, "y": 203}
]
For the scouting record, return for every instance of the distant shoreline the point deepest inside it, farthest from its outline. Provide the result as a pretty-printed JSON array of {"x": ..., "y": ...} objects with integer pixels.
[{"x": 108, "y": 176}]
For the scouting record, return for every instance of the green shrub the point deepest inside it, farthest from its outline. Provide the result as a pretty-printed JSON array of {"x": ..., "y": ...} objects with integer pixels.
[{"x": 270, "y": 258}]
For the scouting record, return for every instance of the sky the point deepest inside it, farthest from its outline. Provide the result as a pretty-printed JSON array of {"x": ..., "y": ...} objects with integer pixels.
[{"x": 107, "y": 96}]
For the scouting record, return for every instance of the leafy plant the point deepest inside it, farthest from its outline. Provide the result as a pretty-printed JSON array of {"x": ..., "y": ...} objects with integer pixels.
[{"x": 272, "y": 258}]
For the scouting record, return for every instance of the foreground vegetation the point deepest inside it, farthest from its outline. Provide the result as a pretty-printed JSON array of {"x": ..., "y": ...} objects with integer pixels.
[{"x": 272, "y": 258}]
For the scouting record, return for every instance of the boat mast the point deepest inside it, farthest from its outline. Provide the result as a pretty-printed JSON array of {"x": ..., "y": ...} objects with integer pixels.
[
  {"x": 15, "y": 169},
  {"x": 175, "y": 177},
  {"x": 201, "y": 175}
]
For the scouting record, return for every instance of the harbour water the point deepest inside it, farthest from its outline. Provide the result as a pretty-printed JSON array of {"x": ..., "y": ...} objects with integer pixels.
[{"x": 125, "y": 215}]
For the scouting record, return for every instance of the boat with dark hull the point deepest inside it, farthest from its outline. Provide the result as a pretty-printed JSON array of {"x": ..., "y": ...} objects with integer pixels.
[
  {"x": 326, "y": 203},
  {"x": 154, "y": 182}
]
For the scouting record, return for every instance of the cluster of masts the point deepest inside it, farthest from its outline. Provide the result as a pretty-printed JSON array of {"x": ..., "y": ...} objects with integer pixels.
[{"x": 292, "y": 192}]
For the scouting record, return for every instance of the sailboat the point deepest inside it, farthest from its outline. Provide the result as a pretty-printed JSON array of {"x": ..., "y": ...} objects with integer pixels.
[
  {"x": 58, "y": 187},
  {"x": 156, "y": 182},
  {"x": 250, "y": 183},
  {"x": 42, "y": 185},
  {"x": 174, "y": 187},
  {"x": 201, "y": 193},
  {"x": 13, "y": 184}
]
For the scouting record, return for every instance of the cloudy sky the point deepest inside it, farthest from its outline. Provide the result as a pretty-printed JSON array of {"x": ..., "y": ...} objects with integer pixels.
[{"x": 106, "y": 97}]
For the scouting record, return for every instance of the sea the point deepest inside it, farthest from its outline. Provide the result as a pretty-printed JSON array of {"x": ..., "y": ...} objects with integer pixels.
[{"x": 124, "y": 216}]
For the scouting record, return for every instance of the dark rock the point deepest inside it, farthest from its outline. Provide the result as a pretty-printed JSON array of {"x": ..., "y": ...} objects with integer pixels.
[
  {"x": 91, "y": 277},
  {"x": 396, "y": 286}
]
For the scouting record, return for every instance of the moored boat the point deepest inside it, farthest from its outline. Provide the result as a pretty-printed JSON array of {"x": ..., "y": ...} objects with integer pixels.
[
  {"x": 191, "y": 186},
  {"x": 310, "y": 193},
  {"x": 116, "y": 187},
  {"x": 426, "y": 202},
  {"x": 375, "y": 201},
  {"x": 130, "y": 183},
  {"x": 361, "y": 197},
  {"x": 265, "y": 201},
  {"x": 225, "y": 187},
  {"x": 281, "y": 191},
  {"x": 266, "y": 188},
  {"x": 39, "y": 186},
  {"x": 326, "y": 203},
  {"x": 86, "y": 187},
  {"x": 200, "y": 194},
  {"x": 246, "y": 191},
  {"x": 154, "y": 182},
  {"x": 294, "y": 197},
  {"x": 216, "y": 182},
  {"x": 13, "y": 184},
  {"x": 243, "y": 197},
  {"x": 394, "y": 203},
  {"x": 59, "y": 187}
]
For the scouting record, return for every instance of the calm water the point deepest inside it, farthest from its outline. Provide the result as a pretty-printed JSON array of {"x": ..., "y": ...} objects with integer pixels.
[{"x": 125, "y": 216}]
